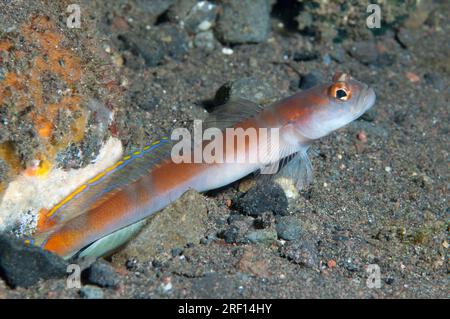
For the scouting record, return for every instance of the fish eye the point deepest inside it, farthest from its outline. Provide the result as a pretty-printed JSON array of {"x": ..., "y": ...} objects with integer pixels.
[{"x": 340, "y": 91}]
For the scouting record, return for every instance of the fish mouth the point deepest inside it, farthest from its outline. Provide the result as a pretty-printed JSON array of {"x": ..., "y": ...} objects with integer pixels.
[{"x": 367, "y": 100}]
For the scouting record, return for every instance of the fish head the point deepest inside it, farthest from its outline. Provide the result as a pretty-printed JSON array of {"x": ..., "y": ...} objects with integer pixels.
[{"x": 328, "y": 107}]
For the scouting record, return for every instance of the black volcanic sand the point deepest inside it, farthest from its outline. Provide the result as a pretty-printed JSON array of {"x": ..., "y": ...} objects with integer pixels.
[{"x": 380, "y": 190}]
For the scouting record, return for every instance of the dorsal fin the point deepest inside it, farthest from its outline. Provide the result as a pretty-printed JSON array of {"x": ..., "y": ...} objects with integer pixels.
[
  {"x": 232, "y": 112},
  {"x": 102, "y": 186}
]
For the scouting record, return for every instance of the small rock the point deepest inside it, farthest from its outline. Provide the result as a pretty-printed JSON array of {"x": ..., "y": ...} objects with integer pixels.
[
  {"x": 205, "y": 40},
  {"x": 288, "y": 227},
  {"x": 288, "y": 186},
  {"x": 369, "y": 53},
  {"x": 412, "y": 77},
  {"x": 305, "y": 56},
  {"x": 250, "y": 88},
  {"x": 91, "y": 292},
  {"x": 338, "y": 54},
  {"x": 434, "y": 80},
  {"x": 362, "y": 136},
  {"x": 301, "y": 252},
  {"x": 262, "y": 236},
  {"x": 227, "y": 51},
  {"x": 310, "y": 80},
  {"x": 263, "y": 198},
  {"x": 244, "y": 21},
  {"x": 239, "y": 226},
  {"x": 406, "y": 37},
  {"x": 246, "y": 184},
  {"x": 101, "y": 273},
  {"x": 331, "y": 263},
  {"x": 155, "y": 44},
  {"x": 23, "y": 265},
  {"x": 195, "y": 16},
  {"x": 265, "y": 220},
  {"x": 182, "y": 222},
  {"x": 151, "y": 10}
]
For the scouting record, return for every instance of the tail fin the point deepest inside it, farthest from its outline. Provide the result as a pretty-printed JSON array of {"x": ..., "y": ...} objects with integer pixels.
[{"x": 100, "y": 188}]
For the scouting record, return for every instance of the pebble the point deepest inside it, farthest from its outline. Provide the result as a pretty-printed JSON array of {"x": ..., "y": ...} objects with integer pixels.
[
  {"x": 244, "y": 21},
  {"x": 434, "y": 80},
  {"x": 331, "y": 263},
  {"x": 301, "y": 252},
  {"x": 263, "y": 198},
  {"x": 362, "y": 136},
  {"x": 101, "y": 273},
  {"x": 239, "y": 225},
  {"x": 262, "y": 236},
  {"x": 91, "y": 292},
  {"x": 246, "y": 184},
  {"x": 265, "y": 220},
  {"x": 310, "y": 80},
  {"x": 250, "y": 88},
  {"x": 305, "y": 56},
  {"x": 155, "y": 44},
  {"x": 151, "y": 10},
  {"x": 412, "y": 77},
  {"x": 227, "y": 51},
  {"x": 23, "y": 265},
  {"x": 205, "y": 40},
  {"x": 195, "y": 16},
  {"x": 368, "y": 53},
  {"x": 288, "y": 227}
]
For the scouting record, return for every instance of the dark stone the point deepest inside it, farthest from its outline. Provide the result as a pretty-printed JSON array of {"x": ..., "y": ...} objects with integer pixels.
[
  {"x": 131, "y": 263},
  {"x": 154, "y": 7},
  {"x": 239, "y": 226},
  {"x": 367, "y": 53},
  {"x": 265, "y": 220},
  {"x": 244, "y": 21},
  {"x": 263, "y": 198},
  {"x": 288, "y": 227},
  {"x": 305, "y": 56},
  {"x": 23, "y": 265},
  {"x": 434, "y": 80},
  {"x": 302, "y": 252},
  {"x": 310, "y": 80},
  {"x": 249, "y": 88},
  {"x": 157, "y": 43},
  {"x": 101, "y": 273},
  {"x": 230, "y": 235}
]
